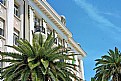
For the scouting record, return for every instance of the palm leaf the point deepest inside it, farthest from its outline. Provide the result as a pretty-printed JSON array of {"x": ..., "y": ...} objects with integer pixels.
[{"x": 10, "y": 54}]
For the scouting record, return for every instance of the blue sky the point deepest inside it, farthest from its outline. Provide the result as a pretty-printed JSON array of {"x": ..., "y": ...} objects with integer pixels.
[{"x": 95, "y": 24}]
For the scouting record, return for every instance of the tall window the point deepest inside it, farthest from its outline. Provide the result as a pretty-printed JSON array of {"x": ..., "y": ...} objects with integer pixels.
[
  {"x": 38, "y": 25},
  {"x": 43, "y": 26},
  {"x": 15, "y": 37},
  {"x": 2, "y": 25},
  {"x": 16, "y": 10},
  {"x": 59, "y": 41},
  {"x": 79, "y": 64},
  {"x": 64, "y": 43},
  {"x": 36, "y": 21},
  {"x": 1, "y": 64},
  {"x": 55, "y": 36},
  {"x": 56, "y": 40},
  {"x": 48, "y": 32}
]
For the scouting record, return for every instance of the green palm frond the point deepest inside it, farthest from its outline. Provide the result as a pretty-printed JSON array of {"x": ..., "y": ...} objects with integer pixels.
[
  {"x": 108, "y": 66},
  {"x": 9, "y": 60},
  {"x": 10, "y": 54}
]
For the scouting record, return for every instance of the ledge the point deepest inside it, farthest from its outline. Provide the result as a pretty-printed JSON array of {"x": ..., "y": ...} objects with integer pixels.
[
  {"x": 2, "y": 37},
  {"x": 17, "y": 17},
  {"x": 3, "y": 5},
  {"x": 77, "y": 47}
]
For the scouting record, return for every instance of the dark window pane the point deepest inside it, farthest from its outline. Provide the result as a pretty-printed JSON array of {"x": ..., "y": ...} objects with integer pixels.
[
  {"x": 39, "y": 29},
  {"x": 55, "y": 40},
  {"x": 15, "y": 37},
  {"x": 43, "y": 30},
  {"x": 36, "y": 28},
  {"x": 61, "y": 60},
  {"x": 16, "y": 10},
  {"x": 1, "y": 1},
  {"x": 1, "y": 32},
  {"x": 1, "y": 63},
  {"x": 37, "y": 22}
]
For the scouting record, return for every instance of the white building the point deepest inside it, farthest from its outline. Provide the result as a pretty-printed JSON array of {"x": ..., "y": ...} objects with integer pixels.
[{"x": 19, "y": 17}]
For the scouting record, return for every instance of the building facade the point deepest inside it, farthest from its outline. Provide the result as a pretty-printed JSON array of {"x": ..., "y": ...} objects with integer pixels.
[{"x": 19, "y": 17}]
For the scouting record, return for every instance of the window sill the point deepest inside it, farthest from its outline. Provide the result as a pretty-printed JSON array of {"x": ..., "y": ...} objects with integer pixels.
[
  {"x": 17, "y": 17},
  {"x": 2, "y": 37},
  {"x": 2, "y": 5}
]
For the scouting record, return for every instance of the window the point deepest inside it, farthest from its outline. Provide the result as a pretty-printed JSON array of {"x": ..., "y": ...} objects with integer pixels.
[
  {"x": 37, "y": 22},
  {"x": 61, "y": 60},
  {"x": 1, "y": 63},
  {"x": 56, "y": 40},
  {"x": 64, "y": 43},
  {"x": 15, "y": 37},
  {"x": 2, "y": 24},
  {"x": 43, "y": 30},
  {"x": 55, "y": 36},
  {"x": 43, "y": 25},
  {"x": 16, "y": 10},
  {"x": 79, "y": 64},
  {"x": 59, "y": 41},
  {"x": 38, "y": 25},
  {"x": 48, "y": 32},
  {"x": 3, "y": 1},
  {"x": 39, "y": 29}
]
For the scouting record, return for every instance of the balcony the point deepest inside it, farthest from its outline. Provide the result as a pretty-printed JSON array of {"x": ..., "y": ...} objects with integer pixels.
[{"x": 39, "y": 29}]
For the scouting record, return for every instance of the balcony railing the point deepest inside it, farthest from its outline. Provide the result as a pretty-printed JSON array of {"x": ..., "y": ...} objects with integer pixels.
[{"x": 39, "y": 29}]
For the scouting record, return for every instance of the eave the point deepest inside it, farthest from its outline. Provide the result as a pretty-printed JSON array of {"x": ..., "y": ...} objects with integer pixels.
[
  {"x": 51, "y": 14},
  {"x": 77, "y": 47}
]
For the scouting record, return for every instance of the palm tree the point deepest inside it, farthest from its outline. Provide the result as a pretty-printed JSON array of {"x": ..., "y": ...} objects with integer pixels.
[
  {"x": 37, "y": 62},
  {"x": 109, "y": 66},
  {"x": 92, "y": 79}
]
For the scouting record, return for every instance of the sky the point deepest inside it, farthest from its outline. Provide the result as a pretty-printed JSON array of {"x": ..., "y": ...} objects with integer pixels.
[{"x": 95, "y": 24}]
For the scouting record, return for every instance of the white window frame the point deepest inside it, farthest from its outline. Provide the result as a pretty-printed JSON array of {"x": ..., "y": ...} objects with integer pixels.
[
  {"x": 16, "y": 10},
  {"x": 15, "y": 37},
  {"x": 2, "y": 26}
]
